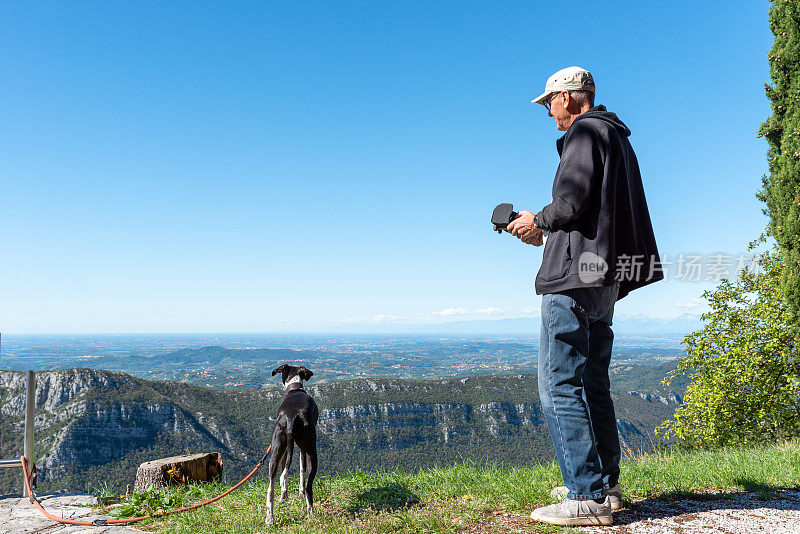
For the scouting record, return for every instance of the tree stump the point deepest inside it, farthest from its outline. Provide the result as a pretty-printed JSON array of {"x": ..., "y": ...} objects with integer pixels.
[{"x": 178, "y": 470}]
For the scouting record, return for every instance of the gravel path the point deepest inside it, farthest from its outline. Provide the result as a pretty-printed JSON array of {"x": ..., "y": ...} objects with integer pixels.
[
  {"x": 773, "y": 512},
  {"x": 769, "y": 512},
  {"x": 19, "y": 515}
]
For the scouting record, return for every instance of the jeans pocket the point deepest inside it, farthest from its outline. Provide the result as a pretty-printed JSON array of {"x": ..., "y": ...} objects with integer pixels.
[
  {"x": 602, "y": 299},
  {"x": 597, "y": 298},
  {"x": 585, "y": 301}
]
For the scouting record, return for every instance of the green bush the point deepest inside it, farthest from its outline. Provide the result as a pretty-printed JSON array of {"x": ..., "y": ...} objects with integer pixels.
[
  {"x": 743, "y": 365},
  {"x": 154, "y": 500}
]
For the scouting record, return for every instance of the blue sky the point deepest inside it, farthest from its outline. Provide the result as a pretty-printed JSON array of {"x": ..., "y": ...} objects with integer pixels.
[{"x": 258, "y": 166}]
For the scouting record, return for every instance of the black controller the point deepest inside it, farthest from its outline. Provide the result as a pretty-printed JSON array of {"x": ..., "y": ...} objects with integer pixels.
[{"x": 502, "y": 215}]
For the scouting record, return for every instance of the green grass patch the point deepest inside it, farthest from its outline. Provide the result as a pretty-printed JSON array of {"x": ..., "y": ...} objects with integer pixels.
[{"x": 475, "y": 498}]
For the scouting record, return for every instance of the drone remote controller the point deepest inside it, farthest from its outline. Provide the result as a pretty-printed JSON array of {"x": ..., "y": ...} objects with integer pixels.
[{"x": 502, "y": 215}]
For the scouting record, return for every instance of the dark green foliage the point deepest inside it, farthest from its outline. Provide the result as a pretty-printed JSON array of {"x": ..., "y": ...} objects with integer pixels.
[
  {"x": 781, "y": 188},
  {"x": 388, "y": 498}
]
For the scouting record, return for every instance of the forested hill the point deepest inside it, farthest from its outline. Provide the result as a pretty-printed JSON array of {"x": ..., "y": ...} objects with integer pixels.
[{"x": 96, "y": 426}]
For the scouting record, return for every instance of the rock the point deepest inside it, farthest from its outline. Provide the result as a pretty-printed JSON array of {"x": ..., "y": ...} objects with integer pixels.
[{"x": 20, "y": 516}]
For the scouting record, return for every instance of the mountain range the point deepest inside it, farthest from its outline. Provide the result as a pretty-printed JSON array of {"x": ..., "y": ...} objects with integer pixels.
[{"x": 623, "y": 324}]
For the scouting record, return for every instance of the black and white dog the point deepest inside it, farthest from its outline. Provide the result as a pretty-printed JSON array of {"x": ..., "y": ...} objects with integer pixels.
[{"x": 296, "y": 425}]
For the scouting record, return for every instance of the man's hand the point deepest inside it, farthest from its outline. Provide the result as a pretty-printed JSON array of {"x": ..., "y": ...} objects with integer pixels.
[{"x": 523, "y": 228}]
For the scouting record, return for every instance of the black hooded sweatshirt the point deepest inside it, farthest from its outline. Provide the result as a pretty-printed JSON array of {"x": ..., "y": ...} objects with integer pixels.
[{"x": 598, "y": 222}]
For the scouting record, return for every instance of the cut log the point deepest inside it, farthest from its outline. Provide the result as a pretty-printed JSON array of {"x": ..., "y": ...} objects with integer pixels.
[{"x": 179, "y": 470}]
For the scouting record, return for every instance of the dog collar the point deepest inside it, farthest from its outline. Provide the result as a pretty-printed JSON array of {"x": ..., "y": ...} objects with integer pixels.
[{"x": 294, "y": 380}]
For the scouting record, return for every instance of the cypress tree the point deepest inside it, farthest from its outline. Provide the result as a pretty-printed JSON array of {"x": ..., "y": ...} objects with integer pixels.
[{"x": 781, "y": 187}]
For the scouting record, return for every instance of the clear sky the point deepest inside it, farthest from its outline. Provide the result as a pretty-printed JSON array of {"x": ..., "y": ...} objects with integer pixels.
[{"x": 264, "y": 166}]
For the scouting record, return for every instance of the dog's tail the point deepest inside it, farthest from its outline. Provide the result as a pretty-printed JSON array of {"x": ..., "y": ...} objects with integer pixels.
[{"x": 289, "y": 445}]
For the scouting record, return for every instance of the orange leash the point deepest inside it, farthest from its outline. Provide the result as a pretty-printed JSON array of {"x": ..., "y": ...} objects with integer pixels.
[{"x": 100, "y": 522}]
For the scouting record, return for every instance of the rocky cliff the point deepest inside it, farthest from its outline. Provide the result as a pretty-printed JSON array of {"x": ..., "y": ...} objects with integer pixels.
[{"x": 95, "y": 427}]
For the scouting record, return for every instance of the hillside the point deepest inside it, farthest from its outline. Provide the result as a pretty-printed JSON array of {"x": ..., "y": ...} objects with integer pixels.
[{"x": 97, "y": 426}]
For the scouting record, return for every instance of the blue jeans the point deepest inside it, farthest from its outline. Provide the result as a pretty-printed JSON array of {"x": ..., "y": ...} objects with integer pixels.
[{"x": 574, "y": 353}]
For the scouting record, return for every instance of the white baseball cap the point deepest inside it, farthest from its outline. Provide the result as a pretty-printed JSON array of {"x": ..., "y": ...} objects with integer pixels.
[{"x": 569, "y": 79}]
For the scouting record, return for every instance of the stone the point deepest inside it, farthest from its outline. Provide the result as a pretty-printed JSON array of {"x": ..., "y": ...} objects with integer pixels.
[{"x": 21, "y": 516}]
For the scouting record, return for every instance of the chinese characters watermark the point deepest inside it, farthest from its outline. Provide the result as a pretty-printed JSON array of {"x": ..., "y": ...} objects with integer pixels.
[{"x": 686, "y": 267}]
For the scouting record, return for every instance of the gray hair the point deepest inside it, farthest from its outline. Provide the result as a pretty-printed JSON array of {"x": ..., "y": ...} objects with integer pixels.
[{"x": 582, "y": 97}]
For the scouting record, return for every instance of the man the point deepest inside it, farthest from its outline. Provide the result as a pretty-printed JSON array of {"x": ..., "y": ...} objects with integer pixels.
[{"x": 599, "y": 247}]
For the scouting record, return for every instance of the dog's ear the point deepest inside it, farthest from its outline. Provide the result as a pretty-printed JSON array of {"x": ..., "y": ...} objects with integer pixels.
[
  {"x": 278, "y": 370},
  {"x": 304, "y": 373}
]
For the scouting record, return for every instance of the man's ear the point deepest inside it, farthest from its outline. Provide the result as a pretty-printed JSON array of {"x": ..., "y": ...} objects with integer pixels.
[
  {"x": 304, "y": 373},
  {"x": 570, "y": 104},
  {"x": 564, "y": 99},
  {"x": 278, "y": 370}
]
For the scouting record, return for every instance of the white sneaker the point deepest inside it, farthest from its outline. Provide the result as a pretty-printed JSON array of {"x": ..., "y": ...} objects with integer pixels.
[
  {"x": 614, "y": 496},
  {"x": 575, "y": 513}
]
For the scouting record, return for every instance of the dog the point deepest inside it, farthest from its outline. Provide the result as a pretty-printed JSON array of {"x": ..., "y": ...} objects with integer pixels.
[{"x": 296, "y": 425}]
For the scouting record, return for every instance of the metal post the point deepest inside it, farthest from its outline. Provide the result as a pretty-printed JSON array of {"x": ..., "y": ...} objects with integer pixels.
[{"x": 28, "y": 448}]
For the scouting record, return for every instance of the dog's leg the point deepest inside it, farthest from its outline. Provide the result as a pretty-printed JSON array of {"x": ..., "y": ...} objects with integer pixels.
[
  {"x": 287, "y": 462},
  {"x": 303, "y": 460},
  {"x": 273, "y": 465},
  {"x": 311, "y": 466},
  {"x": 278, "y": 452},
  {"x": 312, "y": 472}
]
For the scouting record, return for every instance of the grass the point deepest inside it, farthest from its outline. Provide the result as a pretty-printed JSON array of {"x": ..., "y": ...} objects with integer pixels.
[{"x": 476, "y": 498}]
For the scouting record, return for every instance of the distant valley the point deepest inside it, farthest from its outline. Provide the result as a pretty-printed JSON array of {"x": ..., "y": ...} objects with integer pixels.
[{"x": 246, "y": 362}]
